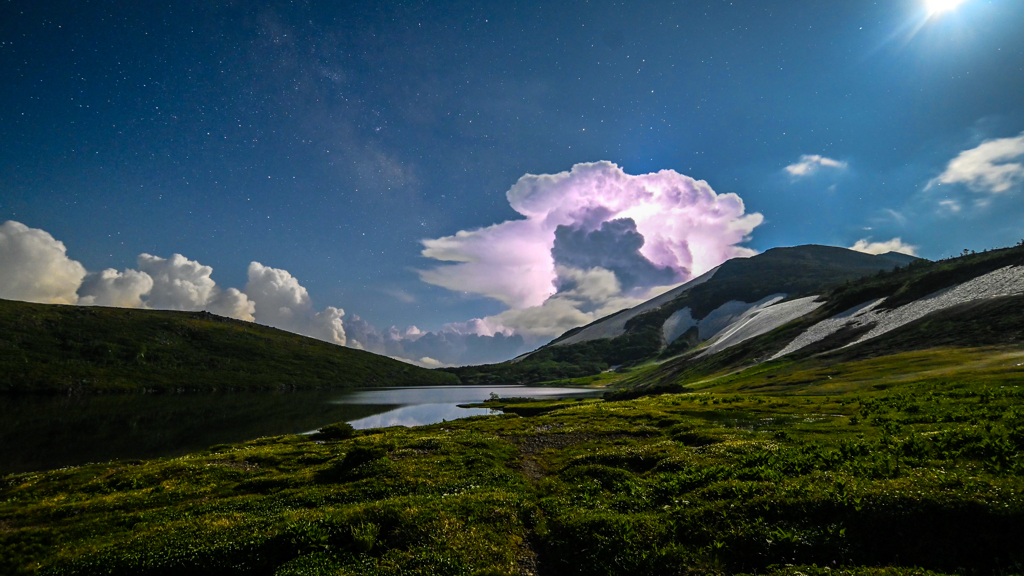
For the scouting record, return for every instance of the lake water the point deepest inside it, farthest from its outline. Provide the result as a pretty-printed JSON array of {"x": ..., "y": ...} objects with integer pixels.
[
  {"x": 45, "y": 432},
  {"x": 420, "y": 406}
]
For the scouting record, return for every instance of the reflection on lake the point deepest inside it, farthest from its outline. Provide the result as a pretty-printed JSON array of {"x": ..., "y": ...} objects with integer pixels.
[
  {"x": 43, "y": 432},
  {"x": 420, "y": 406}
]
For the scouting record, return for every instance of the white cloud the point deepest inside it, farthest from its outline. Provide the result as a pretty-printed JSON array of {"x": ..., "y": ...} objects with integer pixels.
[
  {"x": 232, "y": 303},
  {"x": 400, "y": 295},
  {"x": 183, "y": 284},
  {"x": 34, "y": 267},
  {"x": 894, "y": 245},
  {"x": 950, "y": 205},
  {"x": 596, "y": 285},
  {"x": 113, "y": 288},
  {"x": 429, "y": 362},
  {"x": 478, "y": 327},
  {"x": 283, "y": 303},
  {"x": 549, "y": 320},
  {"x": 989, "y": 167},
  {"x": 178, "y": 283},
  {"x": 810, "y": 163},
  {"x": 896, "y": 216}
]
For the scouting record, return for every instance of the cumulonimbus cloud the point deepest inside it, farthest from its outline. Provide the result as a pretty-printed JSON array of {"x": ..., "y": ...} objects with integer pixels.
[
  {"x": 894, "y": 245},
  {"x": 686, "y": 227},
  {"x": 810, "y": 163},
  {"x": 994, "y": 166},
  {"x": 34, "y": 266}
]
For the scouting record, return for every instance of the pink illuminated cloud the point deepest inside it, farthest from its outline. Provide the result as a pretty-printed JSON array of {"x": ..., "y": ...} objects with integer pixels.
[{"x": 686, "y": 227}]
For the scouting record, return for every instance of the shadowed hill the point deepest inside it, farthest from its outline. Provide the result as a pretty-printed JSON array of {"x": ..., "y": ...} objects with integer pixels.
[{"x": 58, "y": 349}]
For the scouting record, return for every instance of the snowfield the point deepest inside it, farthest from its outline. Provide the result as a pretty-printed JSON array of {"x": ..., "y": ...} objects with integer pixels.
[
  {"x": 761, "y": 319},
  {"x": 1008, "y": 281}
]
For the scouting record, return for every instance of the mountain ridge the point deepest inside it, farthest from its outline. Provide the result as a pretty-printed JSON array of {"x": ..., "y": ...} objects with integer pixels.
[
  {"x": 50, "y": 348},
  {"x": 774, "y": 296}
]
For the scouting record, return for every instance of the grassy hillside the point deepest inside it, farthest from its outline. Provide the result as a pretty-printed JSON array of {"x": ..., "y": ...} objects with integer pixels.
[
  {"x": 900, "y": 465},
  {"x": 49, "y": 349}
]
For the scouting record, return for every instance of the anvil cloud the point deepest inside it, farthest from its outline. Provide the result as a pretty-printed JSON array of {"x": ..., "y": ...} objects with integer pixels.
[{"x": 687, "y": 228}]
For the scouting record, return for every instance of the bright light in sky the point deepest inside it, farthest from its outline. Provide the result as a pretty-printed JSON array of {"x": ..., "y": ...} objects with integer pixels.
[{"x": 939, "y": 6}]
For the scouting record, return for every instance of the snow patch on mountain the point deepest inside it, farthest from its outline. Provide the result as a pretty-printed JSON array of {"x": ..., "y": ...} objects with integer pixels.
[
  {"x": 1008, "y": 281},
  {"x": 726, "y": 315},
  {"x": 760, "y": 318},
  {"x": 677, "y": 324}
]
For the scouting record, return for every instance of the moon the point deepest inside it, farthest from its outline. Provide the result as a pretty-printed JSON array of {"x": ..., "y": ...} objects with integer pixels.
[{"x": 940, "y": 6}]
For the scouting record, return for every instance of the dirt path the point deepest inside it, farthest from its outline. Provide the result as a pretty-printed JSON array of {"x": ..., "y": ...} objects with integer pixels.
[
  {"x": 530, "y": 466},
  {"x": 530, "y": 446},
  {"x": 526, "y": 559}
]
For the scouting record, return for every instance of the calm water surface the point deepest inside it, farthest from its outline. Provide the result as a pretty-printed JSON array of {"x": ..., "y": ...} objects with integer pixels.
[
  {"x": 45, "y": 432},
  {"x": 419, "y": 406}
]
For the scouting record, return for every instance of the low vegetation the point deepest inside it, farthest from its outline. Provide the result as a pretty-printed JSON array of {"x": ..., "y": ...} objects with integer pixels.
[
  {"x": 903, "y": 455},
  {"x": 897, "y": 465},
  {"x": 61, "y": 349}
]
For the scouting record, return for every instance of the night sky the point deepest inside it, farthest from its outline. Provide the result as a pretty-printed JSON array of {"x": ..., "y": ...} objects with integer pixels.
[{"x": 331, "y": 139}]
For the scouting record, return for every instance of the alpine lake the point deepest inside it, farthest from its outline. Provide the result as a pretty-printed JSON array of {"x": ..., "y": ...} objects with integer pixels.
[{"x": 48, "y": 432}]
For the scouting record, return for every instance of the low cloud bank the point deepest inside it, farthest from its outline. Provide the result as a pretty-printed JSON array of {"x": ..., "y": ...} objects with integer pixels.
[
  {"x": 35, "y": 267},
  {"x": 449, "y": 346},
  {"x": 894, "y": 245}
]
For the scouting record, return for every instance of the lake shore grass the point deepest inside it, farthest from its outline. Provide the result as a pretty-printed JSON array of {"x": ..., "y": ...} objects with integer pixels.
[{"x": 906, "y": 464}]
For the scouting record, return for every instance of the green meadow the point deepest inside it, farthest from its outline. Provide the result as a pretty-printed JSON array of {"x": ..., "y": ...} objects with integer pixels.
[{"x": 903, "y": 464}]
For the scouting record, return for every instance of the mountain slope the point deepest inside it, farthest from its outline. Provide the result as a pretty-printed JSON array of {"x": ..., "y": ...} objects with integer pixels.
[
  {"x": 975, "y": 300},
  {"x": 738, "y": 289},
  {"x": 795, "y": 271},
  {"x": 50, "y": 348}
]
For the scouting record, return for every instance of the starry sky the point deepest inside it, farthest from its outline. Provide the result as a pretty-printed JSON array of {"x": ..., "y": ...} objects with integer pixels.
[{"x": 344, "y": 142}]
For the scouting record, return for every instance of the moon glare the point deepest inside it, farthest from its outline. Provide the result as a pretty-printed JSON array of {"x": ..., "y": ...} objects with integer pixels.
[{"x": 939, "y": 6}]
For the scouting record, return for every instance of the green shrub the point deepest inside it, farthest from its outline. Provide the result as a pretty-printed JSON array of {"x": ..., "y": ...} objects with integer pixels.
[{"x": 339, "y": 431}]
